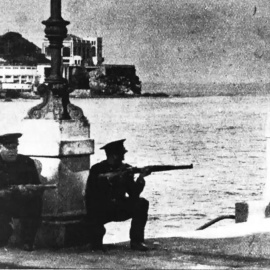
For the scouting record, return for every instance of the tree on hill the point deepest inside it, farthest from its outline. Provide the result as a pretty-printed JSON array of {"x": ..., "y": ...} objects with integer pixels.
[{"x": 17, "y": 50}]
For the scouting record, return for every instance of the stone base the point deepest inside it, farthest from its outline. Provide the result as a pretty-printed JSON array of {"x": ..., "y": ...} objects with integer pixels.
[
  {"x": 62, "y": 234},
  {"x": 252, "y": 210},
  {"x": 57, "y": 234}
]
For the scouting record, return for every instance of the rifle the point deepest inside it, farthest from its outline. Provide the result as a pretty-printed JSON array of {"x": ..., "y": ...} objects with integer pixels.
[
  {"x": 40, "y": 187},
  {"x": 160, "y": 168},
  {"x": 151, "y": 168}
]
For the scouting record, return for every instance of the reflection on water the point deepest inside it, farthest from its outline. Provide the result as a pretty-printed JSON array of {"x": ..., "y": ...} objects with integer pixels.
[{"x": 222, "y": 136}]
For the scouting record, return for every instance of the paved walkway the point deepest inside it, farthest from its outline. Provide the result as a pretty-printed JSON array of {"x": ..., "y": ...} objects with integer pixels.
[
  {"x": 164, "y": 253},
  {"x": 243, "y": 245}
]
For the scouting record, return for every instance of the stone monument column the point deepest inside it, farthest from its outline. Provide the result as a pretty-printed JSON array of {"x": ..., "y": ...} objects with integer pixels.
[{"x": 57, "y": 135}]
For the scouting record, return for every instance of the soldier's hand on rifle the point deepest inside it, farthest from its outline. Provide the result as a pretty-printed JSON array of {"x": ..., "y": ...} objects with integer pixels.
[
  {"x": 145, "y": 172},
  {"x": 24, "y": 191},
  {"x": 140, "y": 180},
  {"x": 127, "y": 174},
  {"x": 5, "y": 193}
]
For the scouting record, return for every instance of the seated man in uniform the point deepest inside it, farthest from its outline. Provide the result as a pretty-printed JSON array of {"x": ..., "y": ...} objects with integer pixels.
[
  {"x": 106, "y": 197},
  {"x": 19, "y": 203}
]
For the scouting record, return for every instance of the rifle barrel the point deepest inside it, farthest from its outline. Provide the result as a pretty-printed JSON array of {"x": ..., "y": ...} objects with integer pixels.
[
  {"x": 160, "y": 168},
  {"x": 34, "y": 186},
  {"x": 41, "y": 186}
]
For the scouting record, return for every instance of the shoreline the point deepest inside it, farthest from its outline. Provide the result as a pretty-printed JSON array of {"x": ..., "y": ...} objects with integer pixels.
[
  {"x": 146, "y": 95},
  {"x": 157, "y": 89}
]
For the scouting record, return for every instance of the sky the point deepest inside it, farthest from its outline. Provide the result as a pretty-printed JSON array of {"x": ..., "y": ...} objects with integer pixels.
[{"x": 169, "y": 41}]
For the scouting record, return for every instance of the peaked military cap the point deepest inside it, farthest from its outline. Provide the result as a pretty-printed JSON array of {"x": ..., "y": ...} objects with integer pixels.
[
  {"x": 115, "y": 147},
  {"x": 10, "y": 138}
]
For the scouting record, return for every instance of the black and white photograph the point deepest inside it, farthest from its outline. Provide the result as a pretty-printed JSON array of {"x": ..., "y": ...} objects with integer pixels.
[{"x": 134, "y": 134}]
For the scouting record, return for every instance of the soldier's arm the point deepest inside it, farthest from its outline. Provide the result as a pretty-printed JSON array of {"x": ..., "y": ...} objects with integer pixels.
[
  {"x": 4, "y": 180},
  {"x": 135, "y": 188},
  {"x": 96, "y": 186}
]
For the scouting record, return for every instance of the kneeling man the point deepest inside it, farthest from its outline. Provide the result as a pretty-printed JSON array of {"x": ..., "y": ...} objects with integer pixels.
[
  {"x": 26, "y": 205},
  {"x": 106, "y": 197}
]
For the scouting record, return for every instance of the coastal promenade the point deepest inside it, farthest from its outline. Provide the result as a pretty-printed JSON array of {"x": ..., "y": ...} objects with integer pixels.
[{"x": 244, "y": 245}]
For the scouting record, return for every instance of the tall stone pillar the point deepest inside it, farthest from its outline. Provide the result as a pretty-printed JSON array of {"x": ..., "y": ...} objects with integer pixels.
[{"x": 57, "y": 135}]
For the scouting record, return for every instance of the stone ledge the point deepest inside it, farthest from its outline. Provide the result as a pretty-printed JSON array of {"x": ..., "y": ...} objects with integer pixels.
[
  {"x": 76, "y": 147},
  {"x": 56, "y": 234},
  {"x": 247, "y": 239},
  {"x": 62, "y": 234}
]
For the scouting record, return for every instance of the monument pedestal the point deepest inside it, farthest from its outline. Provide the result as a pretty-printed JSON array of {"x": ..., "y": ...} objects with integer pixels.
[
  {"x": 56, "y": 135},
  {"x": 61, "y": 150}
]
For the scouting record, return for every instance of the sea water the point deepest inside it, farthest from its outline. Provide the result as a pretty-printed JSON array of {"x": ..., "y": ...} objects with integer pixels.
[{"x": 224, "y": 138}]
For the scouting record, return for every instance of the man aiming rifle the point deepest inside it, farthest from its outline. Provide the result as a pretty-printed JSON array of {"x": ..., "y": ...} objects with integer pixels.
[
  {"x": 20, "y": 192},
  {"x": 105, "y": 197}
]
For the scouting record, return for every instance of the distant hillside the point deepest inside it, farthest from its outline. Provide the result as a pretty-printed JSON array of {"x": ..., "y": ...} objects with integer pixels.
[{"x": 17, "y": 50}]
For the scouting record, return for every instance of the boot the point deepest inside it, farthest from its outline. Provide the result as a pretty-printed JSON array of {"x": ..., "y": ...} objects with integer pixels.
[
  {"x": 97, "y": 243},
  {"x": 28, "y": 247},
  {"x": 140, "y": 246}
]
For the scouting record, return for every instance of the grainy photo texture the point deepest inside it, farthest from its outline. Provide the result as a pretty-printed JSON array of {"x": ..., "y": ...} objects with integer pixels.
[{"x": 134, "y": 134}]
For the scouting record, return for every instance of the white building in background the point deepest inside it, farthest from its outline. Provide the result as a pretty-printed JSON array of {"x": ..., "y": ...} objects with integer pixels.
[
  {"x": 17, "y": 77},
  {"x": 22, "y": 78},
  {"x": 77, "y": 51}
]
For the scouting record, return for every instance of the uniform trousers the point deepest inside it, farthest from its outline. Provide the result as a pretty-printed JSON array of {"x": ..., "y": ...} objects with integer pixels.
[
  {"x": 119, "y": 210},
  {"x": 27, "y": 210}
]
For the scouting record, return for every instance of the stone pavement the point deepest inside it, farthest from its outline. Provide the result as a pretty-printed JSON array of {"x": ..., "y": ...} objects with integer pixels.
[
  {"x": 164, "y": 254},
  {"x": 242, "y": 245}
]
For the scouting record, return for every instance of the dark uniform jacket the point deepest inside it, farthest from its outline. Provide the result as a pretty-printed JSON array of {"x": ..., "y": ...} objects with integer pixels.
[
  {"x": 101, "y": 192},
  {"x": 20, "y": 172}
]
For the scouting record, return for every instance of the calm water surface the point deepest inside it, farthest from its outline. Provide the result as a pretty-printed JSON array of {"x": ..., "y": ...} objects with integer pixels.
[{"x": 224, "y": 138}]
